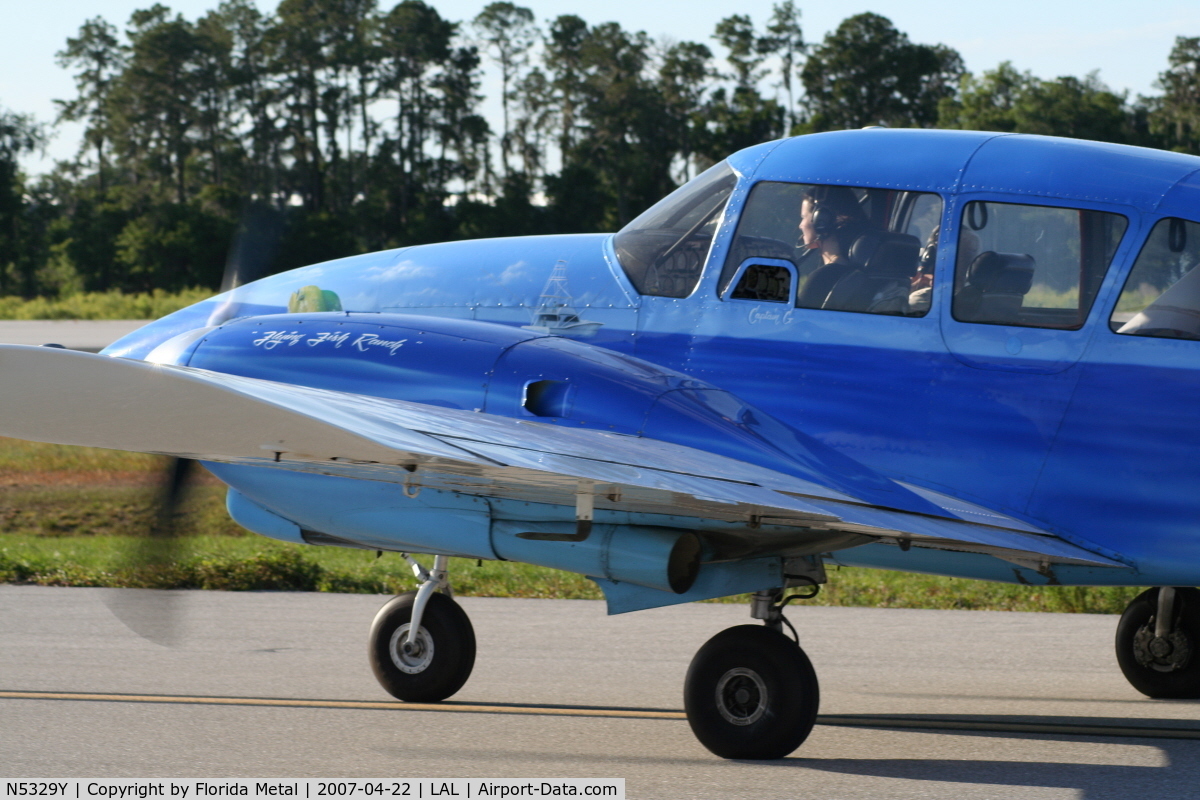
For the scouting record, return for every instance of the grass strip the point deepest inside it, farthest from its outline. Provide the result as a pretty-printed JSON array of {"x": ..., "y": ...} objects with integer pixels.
[
  {"x": 102, "y": 305},
  {"x": 67, "y": 514},
  {"x": 250, "y": 563}
]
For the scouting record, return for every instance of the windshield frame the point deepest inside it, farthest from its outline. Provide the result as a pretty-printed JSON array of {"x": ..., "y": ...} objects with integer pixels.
[{"x": 664, "y": 250}]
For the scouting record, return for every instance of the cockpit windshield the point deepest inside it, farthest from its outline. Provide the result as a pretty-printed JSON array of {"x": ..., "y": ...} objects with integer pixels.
[{"x": 663, "y": 250}]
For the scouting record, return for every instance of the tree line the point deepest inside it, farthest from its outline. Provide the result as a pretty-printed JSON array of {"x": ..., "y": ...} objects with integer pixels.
[{"x": 332, "y": 127}]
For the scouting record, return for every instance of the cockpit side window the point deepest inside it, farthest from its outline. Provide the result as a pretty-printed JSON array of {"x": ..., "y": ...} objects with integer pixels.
[
  {"x": 1162, "y": 294},
  {"x": 1032, "y": 266},
  {"x": 869, "y": 251},
  {"x": 664, "y": 249},
  {"x": 768, "y": 228}
]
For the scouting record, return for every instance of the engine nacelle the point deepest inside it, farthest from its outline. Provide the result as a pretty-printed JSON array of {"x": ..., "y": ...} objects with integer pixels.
[{"x": 657, "y": 558}]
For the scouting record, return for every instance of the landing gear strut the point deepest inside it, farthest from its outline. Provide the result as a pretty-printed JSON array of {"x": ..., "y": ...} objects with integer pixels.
[
  {"x": 1158, "y": 643},
  {"x": 750, "y": 691},
  {"x": 422, "y": 645}
]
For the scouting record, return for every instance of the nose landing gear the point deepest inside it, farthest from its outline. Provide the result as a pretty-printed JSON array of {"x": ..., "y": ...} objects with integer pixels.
[{"x": 422, "y": 645}]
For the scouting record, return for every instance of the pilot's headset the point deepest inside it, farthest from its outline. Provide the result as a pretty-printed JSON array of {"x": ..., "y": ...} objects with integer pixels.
[
  {"x": 927, "y": 258},
  {"x": 828, "y": 204},
  {"x": 824, "y": 218}
]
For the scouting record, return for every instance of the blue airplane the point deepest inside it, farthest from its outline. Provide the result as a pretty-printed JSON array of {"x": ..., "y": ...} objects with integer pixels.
[{"x": 950, "y": 352}]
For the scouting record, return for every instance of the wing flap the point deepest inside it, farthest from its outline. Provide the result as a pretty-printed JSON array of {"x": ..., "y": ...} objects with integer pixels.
[{"x": 611, "y": 472}]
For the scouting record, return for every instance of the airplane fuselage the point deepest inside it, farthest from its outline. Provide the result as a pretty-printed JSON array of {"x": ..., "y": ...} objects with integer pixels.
[{"x": 1080, "y": 430}]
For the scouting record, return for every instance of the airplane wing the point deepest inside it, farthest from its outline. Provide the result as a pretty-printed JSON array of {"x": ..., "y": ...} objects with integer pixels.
[{"x": 66, "y": 397}]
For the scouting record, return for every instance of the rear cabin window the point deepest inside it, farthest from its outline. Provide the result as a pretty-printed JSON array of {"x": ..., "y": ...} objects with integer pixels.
[
  {"x": 1032, "y": 266},
  {"x": 664, "y": 249},
  {"x": 1162, "y": 295},
  {"x": 875, "y": 253}
]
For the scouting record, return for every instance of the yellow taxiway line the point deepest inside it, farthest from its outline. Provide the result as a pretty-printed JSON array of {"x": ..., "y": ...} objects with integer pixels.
[
  {"x": 472, "y": 708},
  {"x": 978, "y": 725}
]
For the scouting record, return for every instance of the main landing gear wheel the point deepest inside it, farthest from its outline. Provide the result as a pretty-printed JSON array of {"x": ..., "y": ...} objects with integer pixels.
[
  {"x": 436, "y": 663},
  {"x": 751, "y": 692},
  {"x": 1162, "y": 660}
]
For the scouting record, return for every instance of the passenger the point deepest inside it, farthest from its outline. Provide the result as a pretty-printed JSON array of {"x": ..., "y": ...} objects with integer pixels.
[{"x": 921, "y": 288}]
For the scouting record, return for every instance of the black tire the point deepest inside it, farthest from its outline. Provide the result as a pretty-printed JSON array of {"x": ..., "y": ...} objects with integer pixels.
[
  {"x": 1169, "y": 669},
  {"x": 446, "y": 653},
  {"x": 752, "y": 693}
]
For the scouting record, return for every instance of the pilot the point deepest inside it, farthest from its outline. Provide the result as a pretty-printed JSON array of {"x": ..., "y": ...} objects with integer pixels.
[{"x": 831, "y": 219}]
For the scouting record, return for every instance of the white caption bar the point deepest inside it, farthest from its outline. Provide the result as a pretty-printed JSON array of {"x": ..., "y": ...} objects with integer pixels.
[{"x": 415, "y": 788}]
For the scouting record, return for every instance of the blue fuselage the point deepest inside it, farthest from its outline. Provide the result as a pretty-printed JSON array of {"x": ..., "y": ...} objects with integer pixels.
[{"x": 1085, "y": 433}]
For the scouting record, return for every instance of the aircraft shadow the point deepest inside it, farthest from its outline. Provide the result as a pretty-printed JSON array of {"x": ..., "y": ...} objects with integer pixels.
[
  {"x": 1019, "y": 724},
  {"x": 1178, "y": 777}
]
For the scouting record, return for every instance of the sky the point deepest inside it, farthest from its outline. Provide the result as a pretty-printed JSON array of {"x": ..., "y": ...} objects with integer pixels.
[{"x": 1128, "y": 43}]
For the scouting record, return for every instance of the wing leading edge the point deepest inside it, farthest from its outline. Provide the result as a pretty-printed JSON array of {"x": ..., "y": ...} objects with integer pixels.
[{"x": 66, "y": 397}]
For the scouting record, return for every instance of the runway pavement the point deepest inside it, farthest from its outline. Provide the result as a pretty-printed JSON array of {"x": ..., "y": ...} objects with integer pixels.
[
  {"x": 74, "y": 334},
  {"x": 265, "y": 685}
]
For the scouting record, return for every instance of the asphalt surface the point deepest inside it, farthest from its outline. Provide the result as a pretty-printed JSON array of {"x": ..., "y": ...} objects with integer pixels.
[
  {"x": 1007, "y": 677},
  {"x": 89, "y": 335}
]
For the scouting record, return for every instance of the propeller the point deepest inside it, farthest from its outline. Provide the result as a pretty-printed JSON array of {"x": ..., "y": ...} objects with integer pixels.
[
  {"x": 255, "y": 244},
  {"x": 155, "y": 615}
]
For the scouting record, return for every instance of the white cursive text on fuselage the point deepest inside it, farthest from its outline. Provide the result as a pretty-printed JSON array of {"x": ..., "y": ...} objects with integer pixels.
[
  {"x": 363, "y": 343},
  {"x": 758, "y": 314}
]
